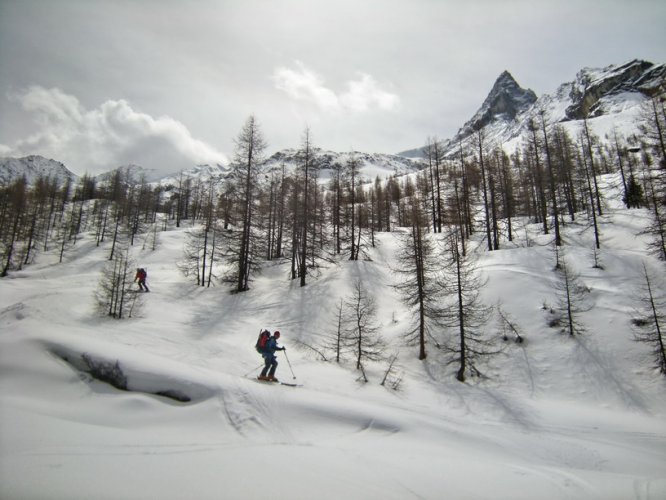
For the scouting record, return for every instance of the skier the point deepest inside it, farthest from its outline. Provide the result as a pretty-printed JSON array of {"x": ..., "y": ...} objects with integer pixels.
[
  {"x": 141, "y": 276},
  {"x": 268, "y": 372}
]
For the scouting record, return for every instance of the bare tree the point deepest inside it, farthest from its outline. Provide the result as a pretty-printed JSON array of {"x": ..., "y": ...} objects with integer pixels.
[
  {"x": 352, "y": 176},
  {"x": 307, "y": 168},
  {"x": 589, "y": 140},
  {"x": 650, "y": 318},
  {"x": 464, "y": 313},
  {"x": 202, "y": 247},
  {"x": 537, "y": 177},
  {"x": 362, "y": 330},
  {"x": 589, "y": 175},
  {"x": 418, "y": 284},
  {"x": 434, "y": 154},
  {"x": 115, "y": 296},
  {"x": 572, "y": 296},
  {"x": 654, "y": 127},
  {"x": 551, "y": 180},
  {"x": 336, "y": 341},
  {"x": 655, "y": 183},
  {"x": 16, "y": 214},
  {"x": 250, "y": 145},
  {"x": 508, "y": 326},
  {"x": 484, "y": 184}
]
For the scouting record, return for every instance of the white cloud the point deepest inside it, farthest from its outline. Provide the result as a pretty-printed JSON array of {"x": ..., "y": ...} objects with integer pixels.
[
  {"x": 364, "y": 94},
  {"x": 103, "y": 138}
]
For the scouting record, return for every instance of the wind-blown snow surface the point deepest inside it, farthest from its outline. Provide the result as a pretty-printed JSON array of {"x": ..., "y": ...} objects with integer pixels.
[{"x": 560, "y": 417}]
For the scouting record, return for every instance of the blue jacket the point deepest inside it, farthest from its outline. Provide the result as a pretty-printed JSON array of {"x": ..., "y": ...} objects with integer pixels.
[{"x": 270, "y": 348}]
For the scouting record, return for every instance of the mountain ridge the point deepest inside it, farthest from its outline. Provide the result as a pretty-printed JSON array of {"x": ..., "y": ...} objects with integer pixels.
[
  {"x": 593, "y": 93},
  {"x": 32, "y": 167},
  {"x": 614, "y": 91}
]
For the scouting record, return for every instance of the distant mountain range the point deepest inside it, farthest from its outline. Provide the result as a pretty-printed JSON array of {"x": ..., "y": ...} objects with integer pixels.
[
  {"x": 610, "y": 98},
  {"x": 371, "y": 166}
]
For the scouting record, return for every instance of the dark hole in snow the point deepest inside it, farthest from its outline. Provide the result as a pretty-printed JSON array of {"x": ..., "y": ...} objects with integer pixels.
[
  {"x": 110, "y": 372},
  {"x": 174, "y": 394}
]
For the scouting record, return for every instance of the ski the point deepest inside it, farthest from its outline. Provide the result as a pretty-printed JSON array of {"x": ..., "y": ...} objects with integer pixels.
[{"x": 288, "y": 384}]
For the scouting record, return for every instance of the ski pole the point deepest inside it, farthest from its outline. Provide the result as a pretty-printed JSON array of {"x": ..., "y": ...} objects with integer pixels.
[
  {"x": 287, "y": 358},
  {"x": 253, "y": 370}
]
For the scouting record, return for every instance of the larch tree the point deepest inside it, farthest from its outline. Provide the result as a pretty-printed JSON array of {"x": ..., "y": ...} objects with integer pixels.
[
  {"x": 552, "y": 181},
  {"x": 307, "y": 167},
  {"x": 246, "y": 167},
  {"x": 417, "y": 283},
  {"x": 572, "y": 297},
  {"x": 362, "y": 331},
  {"x": 16, "y": 204},
  {"x": 650, "y": 318},
  {"x": 464, "y": 314},
  {"x": 352, "y": 175}
]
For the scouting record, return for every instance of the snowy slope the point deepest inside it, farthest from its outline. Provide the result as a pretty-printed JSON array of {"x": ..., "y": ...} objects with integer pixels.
[
  {"x": 32, "y": 167},
  {"x": 371, "y": 165},
  {"x": 560, "y": 417},
  {"x": 203, "y": 172}
]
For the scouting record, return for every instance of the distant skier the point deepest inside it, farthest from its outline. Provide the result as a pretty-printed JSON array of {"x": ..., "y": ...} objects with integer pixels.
[
  {"x": 141, "y": 276},
  {"x": 270, "y": 361}
]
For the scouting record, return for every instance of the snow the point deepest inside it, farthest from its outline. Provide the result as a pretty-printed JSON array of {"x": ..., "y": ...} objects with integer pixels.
[{"x": 559, "y": 417}]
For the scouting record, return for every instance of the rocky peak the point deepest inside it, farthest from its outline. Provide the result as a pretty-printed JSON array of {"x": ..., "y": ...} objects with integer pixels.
[
  {"x": 505, "y": 100},
  {"x": 591, "y": 85}
]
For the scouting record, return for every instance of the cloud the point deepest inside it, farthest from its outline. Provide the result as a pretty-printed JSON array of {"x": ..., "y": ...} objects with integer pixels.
[
  {"x": 364, "y": 94},
  {"x": 113, "y": 134}
]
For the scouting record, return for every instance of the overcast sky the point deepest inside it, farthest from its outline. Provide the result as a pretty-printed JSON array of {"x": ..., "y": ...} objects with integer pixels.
[{"x": 167, "y": 84}]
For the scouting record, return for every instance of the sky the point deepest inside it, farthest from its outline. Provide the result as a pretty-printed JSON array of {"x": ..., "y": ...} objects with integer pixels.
[{"x": 168, "y": 84}]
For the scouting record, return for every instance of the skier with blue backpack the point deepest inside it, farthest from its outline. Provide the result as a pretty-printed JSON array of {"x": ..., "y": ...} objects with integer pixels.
[{"x": 266, "y": 346}]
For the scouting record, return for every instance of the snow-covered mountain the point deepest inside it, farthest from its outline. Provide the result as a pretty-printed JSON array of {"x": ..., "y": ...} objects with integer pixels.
[
  {"x": 609, "y": 97},
  {"x": 33, "y": 167},
  {"x": 371, "y": 164},
  {"x": 135, "y": 172},
  {"x": 203, "y": 172},
  {"x": 504, "y": 103}
]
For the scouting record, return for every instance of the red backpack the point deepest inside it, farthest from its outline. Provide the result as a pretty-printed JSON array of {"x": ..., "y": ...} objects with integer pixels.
[{"x": 260, "y": 346}]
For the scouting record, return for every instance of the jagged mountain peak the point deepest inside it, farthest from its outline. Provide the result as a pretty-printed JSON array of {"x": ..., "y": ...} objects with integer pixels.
[
  {"x": 612, "y": 94},
  {"x": 505, "y": 101},
  {"x": 505, "y": 81}
]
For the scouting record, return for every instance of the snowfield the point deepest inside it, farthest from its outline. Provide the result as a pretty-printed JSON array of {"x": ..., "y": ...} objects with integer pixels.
[{"x": 558, "y": 417}]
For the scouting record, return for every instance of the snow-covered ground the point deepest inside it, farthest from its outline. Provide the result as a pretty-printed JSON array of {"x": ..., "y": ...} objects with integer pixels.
[{"x": 559, "y": 417}]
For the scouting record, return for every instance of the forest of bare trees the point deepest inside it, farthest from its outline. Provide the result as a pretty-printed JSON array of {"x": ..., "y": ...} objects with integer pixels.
[{"x": 286, "y": 213}]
